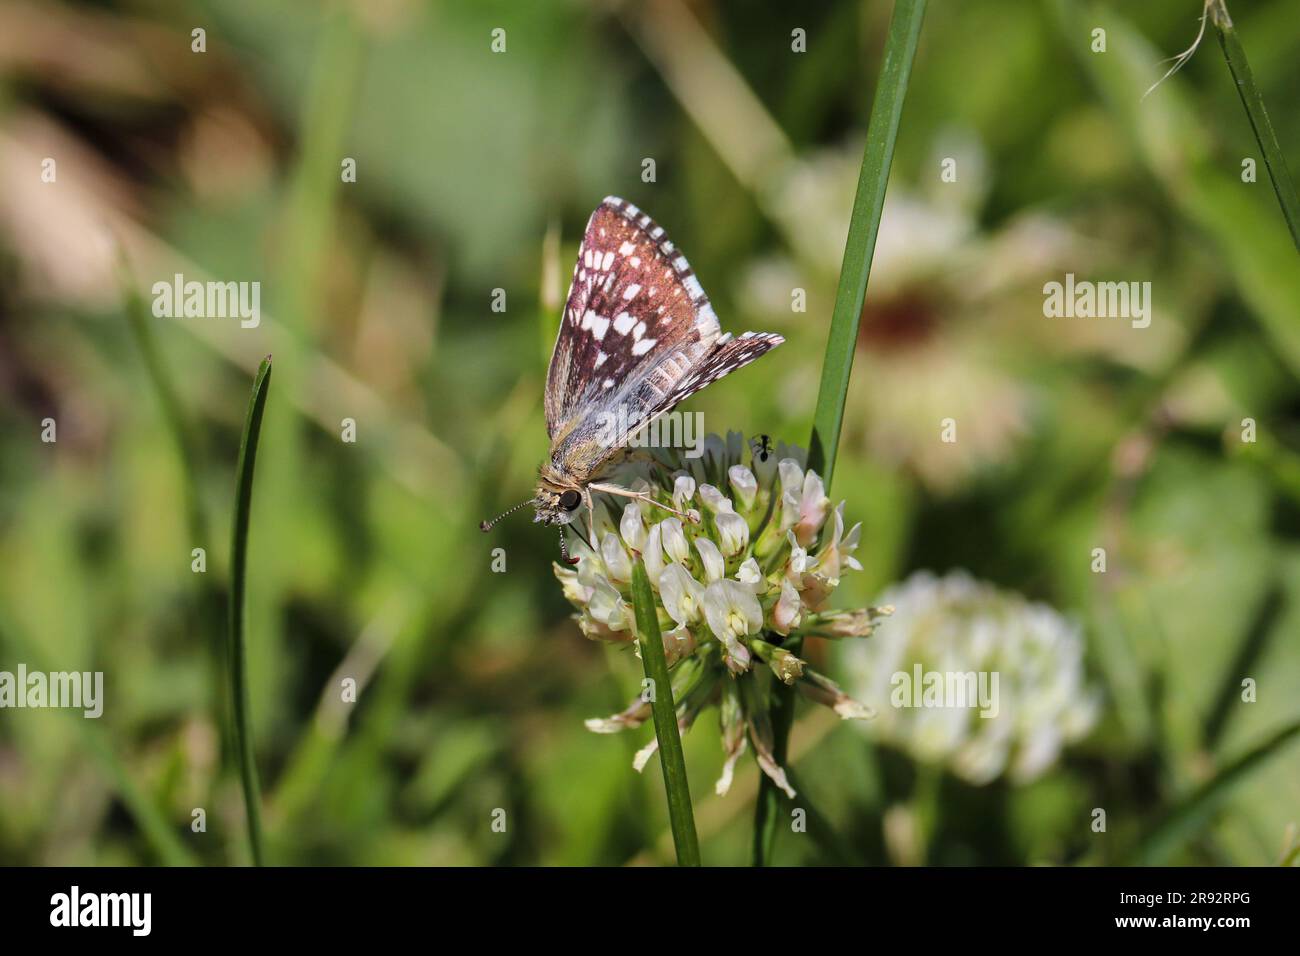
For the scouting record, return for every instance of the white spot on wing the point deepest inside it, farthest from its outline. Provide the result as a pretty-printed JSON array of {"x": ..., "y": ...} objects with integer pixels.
[
  {"x": 598, "y": 324},
  {"x": 630, "y": 292},
  {"x": 645, "y": 345}
]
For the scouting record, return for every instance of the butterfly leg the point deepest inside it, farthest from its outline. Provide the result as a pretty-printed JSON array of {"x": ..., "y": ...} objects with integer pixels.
[
  {"x": 644, "y": 496},
  {"x": 591, "y": 520}
]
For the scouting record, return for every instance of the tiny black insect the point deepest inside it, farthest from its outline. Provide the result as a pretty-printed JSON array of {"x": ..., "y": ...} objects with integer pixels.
[{"x": 762, "y": 447}]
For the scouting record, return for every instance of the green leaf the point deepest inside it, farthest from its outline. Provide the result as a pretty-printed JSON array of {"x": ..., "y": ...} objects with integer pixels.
[
  {"x": 1188, "y": 818},
  {"x": 841, "y": 344},
  {"x": 238, "y": 575}
]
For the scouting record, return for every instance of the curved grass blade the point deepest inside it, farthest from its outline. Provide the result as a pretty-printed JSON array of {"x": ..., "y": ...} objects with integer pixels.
[
  {"x": 238, "y": 574},
  {"x": 1190, "y": 817},
  {"x": 878, "y": 156},
  {"x": 1253, "y": 102},
  {"x": 882, "y": 132},
  {"x": 681, "y": 817}
]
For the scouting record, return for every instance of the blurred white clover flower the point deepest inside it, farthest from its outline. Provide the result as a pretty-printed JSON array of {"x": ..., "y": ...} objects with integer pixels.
[
  {"x": 759, "y": 567},
  {"x": 956, "y": 625},
  {"x": 937, "y": 323}
]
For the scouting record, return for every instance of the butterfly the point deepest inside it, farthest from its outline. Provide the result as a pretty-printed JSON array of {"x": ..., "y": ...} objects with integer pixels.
[{"x": 637, "y": 336}]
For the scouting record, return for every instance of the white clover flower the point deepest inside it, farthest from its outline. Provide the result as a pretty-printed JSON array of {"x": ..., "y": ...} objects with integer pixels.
[
  {"x": 927, "y": 345},
  {"x": 732, "y": 720},
  {"x": 749, "y": 574},
  {"x": 715, "y": 566},
  {"x": 946, "y": 636},
  {"x": 812, "y": 508},
  {"x": 674, "y": 538},
  {"x": 735, "y": 586},
  {"x": 733, "y": 612},
  {"x": 653, "y": 552},
  {"x": 607, "y": 606},
  {"x": 785, "y": 615},
  {"x": 682, "y": 595},
  {"x": 574, "y": 590},
  {"x": 743, "y": 485},
  {"x": 618, "y": 563},
  {"x": 683, "y": 490},
  {"x": 799, "y": 562},
  {"x": 632, "y": 527},
  {"x": 837, "y": 548},
  {"x": 791, "y": 475},
  {"x": 715, "y": 500},
  {"x": 733, "y": 532}
]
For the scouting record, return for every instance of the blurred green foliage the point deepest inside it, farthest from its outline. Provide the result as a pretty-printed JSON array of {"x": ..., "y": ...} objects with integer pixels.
[{"x": 366, "y": 560}]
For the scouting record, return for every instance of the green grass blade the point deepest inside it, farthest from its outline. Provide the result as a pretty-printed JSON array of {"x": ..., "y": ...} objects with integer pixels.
[
  {"x": 882, "y": 133},
  {"x": 1189, "y": 817},
  {"x": 1253, "y": 103},
  {"x": 681, "y": 817},
  {"x": 238, "y": 574}
]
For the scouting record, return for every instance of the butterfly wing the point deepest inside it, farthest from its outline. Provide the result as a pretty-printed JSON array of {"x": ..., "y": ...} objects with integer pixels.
[
  {"x": 638, "y": 334},
  {"x": 633, "y": 301},
  {"x": 726, "y": 355}
]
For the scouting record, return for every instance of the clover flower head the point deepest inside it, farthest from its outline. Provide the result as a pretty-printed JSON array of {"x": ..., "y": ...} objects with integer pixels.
[
  {"x": 731, "y": 590},
  {"x": 946, "y": 630}
]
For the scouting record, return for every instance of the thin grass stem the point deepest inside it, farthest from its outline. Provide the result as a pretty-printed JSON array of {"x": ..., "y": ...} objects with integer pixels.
[
  {"x": 681, "y": 817},
  {"x": 238, "y": 576},
  {"x": 1253, "y": 102},
  {"x": 841, "y": 344}
]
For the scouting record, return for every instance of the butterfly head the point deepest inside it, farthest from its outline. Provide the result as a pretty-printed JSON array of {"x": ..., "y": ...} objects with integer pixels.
[
  {"x": 556, "y": 501},
  {"x": 553, "y": 507}
]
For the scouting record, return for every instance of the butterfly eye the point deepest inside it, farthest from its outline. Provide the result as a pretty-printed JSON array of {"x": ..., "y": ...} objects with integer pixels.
[{"x": 569, "y": 500}]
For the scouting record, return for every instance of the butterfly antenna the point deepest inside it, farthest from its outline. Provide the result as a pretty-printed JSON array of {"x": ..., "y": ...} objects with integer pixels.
[
  {"x": 487, "y": 525},
  {"x": 564, "y": 550}
]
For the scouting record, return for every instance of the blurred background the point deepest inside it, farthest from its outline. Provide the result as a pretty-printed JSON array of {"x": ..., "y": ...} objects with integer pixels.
[{"x": 475, "y": 171}]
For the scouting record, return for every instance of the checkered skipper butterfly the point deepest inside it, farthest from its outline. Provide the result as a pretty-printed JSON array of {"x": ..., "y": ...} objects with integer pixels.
[{"x": 637, "y": 336}]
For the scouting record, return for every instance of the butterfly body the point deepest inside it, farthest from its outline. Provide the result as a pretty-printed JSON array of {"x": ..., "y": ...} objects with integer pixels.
[{"x": 637, "y": 336}]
